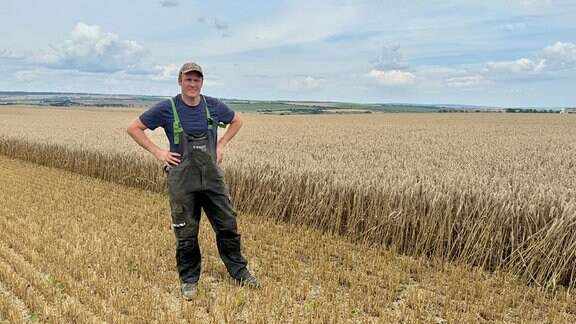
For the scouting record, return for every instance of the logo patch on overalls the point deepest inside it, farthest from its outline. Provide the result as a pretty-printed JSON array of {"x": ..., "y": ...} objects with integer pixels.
[{"x": 199, "y": 147}]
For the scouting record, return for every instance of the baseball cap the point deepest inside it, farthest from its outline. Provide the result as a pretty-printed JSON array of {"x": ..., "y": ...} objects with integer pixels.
[{"x": 191, "y": 66}]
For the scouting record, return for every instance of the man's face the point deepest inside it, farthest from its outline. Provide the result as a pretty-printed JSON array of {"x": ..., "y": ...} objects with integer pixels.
[{"x": 191, "y": 84}]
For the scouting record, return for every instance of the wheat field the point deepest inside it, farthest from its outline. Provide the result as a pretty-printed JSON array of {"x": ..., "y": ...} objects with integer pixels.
[
  {"x": 457, "y": 194},
  {"x": 493, "y": 190}
]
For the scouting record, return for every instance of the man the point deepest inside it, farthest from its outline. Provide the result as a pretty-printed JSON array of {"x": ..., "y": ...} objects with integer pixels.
[{"x": 195, "y": 181}]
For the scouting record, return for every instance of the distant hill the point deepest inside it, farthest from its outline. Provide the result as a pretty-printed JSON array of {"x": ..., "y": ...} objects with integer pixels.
[
  {"x": 278, "y": 107},
  {"x": 60, "y": 99}
]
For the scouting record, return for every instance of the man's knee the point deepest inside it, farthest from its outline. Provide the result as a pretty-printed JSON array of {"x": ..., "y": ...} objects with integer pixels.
[
  {"x": 228, "y": 242},
  {"x": 186, "y": 243}
]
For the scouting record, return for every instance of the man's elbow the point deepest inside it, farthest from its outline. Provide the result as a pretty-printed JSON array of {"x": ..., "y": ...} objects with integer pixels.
[
  {"x": 130, "y": 129},
  {"x": 134, "y": 127},
  {"x": 237, "y": 120}
]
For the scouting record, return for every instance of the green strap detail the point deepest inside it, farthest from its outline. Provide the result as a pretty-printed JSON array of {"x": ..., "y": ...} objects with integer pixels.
[
  {"x": 177, "y": 125},
  {"x": 210, "y": 120},
  {"x": 208, "y": 117}
]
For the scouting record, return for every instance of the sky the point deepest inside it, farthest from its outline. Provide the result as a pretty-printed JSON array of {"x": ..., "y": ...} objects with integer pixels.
[{"x": 512, "y": 53}]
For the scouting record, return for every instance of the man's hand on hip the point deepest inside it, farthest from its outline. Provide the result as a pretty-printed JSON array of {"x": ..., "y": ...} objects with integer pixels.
[
  {"x": 168, "y": 159},
  {"x": 220, "y": 148}
]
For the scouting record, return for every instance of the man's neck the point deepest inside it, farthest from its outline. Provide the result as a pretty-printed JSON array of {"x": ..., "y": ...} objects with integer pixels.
[{"x": 191, "y": 101}]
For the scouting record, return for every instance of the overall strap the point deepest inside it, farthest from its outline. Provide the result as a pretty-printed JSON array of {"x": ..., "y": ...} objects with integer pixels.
[
  {"x": 208, "y": 117},
  {"x": 210, "y": 120},
  {"x": 177, "y": 125}
]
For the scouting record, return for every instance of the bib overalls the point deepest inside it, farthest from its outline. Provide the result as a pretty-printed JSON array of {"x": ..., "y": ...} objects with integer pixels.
[{"x": 198, "y": 183}]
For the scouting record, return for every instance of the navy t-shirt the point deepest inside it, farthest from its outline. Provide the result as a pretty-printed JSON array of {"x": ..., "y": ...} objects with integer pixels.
[{"x": 193, "y": 118}]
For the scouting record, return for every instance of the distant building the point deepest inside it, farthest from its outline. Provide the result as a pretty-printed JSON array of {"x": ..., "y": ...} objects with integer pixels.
[{"x": 571, "y": 110}]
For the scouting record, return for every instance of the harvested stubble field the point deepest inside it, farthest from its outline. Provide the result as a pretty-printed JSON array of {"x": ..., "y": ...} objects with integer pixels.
[
  {"x": 491, "y": 190},
  {"x": 75, "y": 249}
]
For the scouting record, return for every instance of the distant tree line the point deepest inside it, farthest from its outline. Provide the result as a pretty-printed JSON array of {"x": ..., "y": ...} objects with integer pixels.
[
  {"x": 507, "y": 110},
  {"x": 294, "y": 111},
  {"x": 539, "y": 111},
  {"x": 468, "y": 111},
  {"x": 70, "y": 103}
]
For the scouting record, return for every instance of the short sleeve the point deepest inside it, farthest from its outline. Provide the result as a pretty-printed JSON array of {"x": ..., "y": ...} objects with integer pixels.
[
  {"x": 155, "y": 116},
  {"x": 225, "y": 114}
]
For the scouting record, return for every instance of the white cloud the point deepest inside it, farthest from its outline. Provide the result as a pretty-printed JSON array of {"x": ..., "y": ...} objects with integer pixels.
[
  {"x": 557, "y": 56},
  {"x": 391, "y": 77},
  {"x": 560, "y": 55},
  {"x": 465, "y": 82},
  {"x": 307, "y": 83},
  {"x": 523, "y": 65},
  {"x": 169, "y": 72},
  {"x": 390, "y": 58},
  {"x": 89, "y": 49},
  {"x": 212, "y": 83}
]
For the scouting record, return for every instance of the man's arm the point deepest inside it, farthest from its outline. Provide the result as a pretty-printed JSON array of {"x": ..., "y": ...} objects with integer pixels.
[
  {"x": 136, "y": 131},
  {"x": 231, "y": 131}
]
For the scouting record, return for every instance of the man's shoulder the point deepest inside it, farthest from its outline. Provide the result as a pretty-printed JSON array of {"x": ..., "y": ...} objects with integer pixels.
[
  {"x": 213, "y": 101},
  {"x": 160, "y": 109},
  {"x": 157, "y": 115},
  {"x": 163, "y": 104}
]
